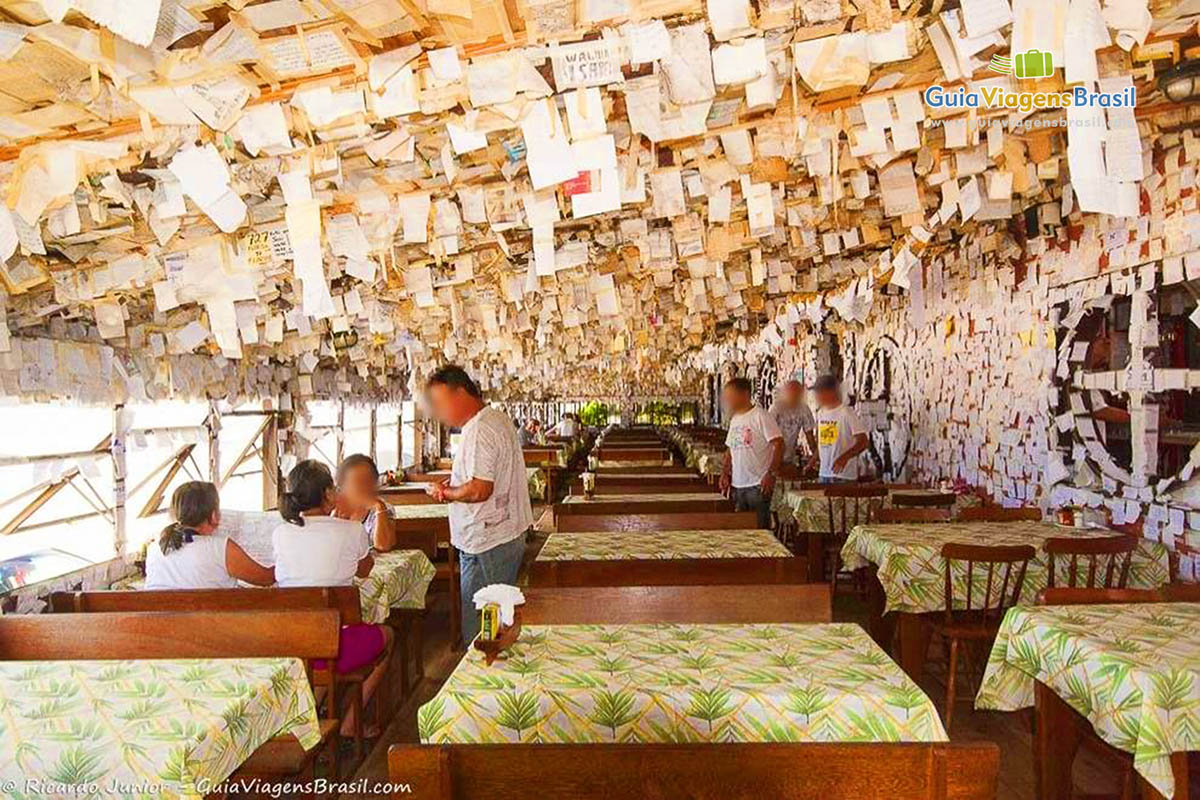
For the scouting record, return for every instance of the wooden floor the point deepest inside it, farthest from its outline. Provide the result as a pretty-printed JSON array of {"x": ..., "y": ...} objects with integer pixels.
[{"x": 1010, "y": 731}]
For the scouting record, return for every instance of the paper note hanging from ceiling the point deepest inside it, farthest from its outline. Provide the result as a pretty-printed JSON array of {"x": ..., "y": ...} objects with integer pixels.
[{"x": 594, "y": 63}]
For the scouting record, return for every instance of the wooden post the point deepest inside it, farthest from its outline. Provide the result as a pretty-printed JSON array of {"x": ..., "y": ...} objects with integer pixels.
[
  {"x": 213, "y": 424},
  {"x": 270, "y": 464},
  {"x": 116, "y": 449},
  {"x": 341, "y": 432},
  {"x": 373, "y": 435}
]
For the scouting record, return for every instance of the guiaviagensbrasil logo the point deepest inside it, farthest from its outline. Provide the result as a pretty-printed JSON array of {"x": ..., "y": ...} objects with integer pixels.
[{"x": 1030, "y": 64}]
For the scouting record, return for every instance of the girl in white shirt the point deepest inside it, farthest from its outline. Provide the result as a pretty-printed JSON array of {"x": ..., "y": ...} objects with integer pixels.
[
  {"x": 189, "y": 554},
  {"x": 313, "y": 548}
]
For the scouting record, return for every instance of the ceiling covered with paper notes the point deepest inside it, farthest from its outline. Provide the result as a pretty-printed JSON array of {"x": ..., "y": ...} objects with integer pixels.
[{"x": 572, "y": 198}]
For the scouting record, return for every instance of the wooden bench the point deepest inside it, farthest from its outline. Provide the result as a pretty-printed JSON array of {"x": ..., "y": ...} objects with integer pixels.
[
  {"x": 657, "y": 507},
  {"x": 701, "y": 771},
  {"x": 646, "y": 470},
  {"x": 666, "y": 485},
  {"x": 308, "y": 634},
  {"x": 648, "y": 454},
  {"x": 670, "y": 572},
  {"x": 686, "y": 521},
  {"x": 631, "y": 605}
]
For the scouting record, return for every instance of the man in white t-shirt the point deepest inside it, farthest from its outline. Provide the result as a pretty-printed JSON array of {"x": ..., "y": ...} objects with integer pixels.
[
  {"x": 841, "y": 436},
  {"x": 755, "y": 452},
  {"x": 488, "y": 493},
  {"x": 790, "y": 411}
]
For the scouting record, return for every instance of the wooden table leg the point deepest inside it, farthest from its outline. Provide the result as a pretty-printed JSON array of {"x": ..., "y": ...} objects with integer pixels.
[
  {"x": 881, "y": 626},
  {"x": 815, "y": 541},
  {"x": 1056, "y": 739},
  {"x": 913, "y": 643},
  {"x": 1179, "y": 768},
  {"x": 455, "y": 601}
]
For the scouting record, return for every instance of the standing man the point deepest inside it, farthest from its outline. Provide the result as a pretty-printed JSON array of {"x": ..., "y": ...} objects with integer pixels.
[
  {"x": 841, "y": 436},
  {"x": 487, "y": 490},
  {"x": 755, "y": 452},
  {"x": 793, "y": 417}
]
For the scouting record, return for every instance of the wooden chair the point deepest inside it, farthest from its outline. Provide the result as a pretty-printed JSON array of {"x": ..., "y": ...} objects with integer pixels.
[
  {"x": 700, "y": 771},
  {"x": 631, "y": 605},
  {"x": 865, "y": 500},
  {"x": 890, "y": 515},
  {"x": 979, "y": 619},
  {"x": 998, "y": 514},
  {"x": 1117, "y": 549},
  {"x": 306, "y": 634},
  {"x": 344, "y": 599},
  {"x": 923, "y": 500}
]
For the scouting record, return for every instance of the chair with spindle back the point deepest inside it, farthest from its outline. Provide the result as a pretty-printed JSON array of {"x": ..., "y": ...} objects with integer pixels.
[
  {"x": 885, "y": 516},
  {"x": 998, "y": 514},
  {"x": 977, "y": 620},
  {"x": 1119, "y": 552},
  {"x": 840, "y": 497},
  {"x": 923, "y": 500}
]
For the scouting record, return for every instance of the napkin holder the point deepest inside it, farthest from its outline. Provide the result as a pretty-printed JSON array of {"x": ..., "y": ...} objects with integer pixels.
[{"x": 497, "y": 648}]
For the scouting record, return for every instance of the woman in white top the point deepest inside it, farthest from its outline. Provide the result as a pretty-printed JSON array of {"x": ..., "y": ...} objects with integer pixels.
[
  {"x": 189, "y": 554},
  {"x": 313, "y": 548}
]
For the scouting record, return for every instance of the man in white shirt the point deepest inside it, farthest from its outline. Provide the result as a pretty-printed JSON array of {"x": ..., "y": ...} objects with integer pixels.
[
  {"x": 841, "y": 436},
  {"x": 755, "y": 452},
  {"x": 791, "y": 414},
  {"x": 566, "y": 427},
  {"x": 487, "y": 492}
]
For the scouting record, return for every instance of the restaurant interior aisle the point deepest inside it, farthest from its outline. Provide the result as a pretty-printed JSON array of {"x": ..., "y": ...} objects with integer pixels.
[{"x": 1010, "y": 731}]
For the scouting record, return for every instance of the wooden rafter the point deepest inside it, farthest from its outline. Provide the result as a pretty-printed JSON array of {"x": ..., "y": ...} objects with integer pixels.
[
  {"x": 173, "y": 465},
  {"x": 250, "y": 449},
  {"x": 49, "y": 492}
]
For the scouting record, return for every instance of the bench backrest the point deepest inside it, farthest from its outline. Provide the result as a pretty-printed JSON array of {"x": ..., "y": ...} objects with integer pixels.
[
  {"x": 685, "y": 521},
  {"x": 344, "y": 599},
  {"x": 306, "y": 634},
  {"x": 630, "y": 605},
  {"x": 800, "y": 771}
]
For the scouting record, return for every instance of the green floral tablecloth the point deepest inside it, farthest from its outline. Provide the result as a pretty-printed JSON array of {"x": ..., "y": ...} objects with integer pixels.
[
  {"x": 619, "y": 545},
  {"x": 166, "y": 724},
  {"x": 912, "y": 572},
  {"x": 809, "y": 508},
  {"x": 1133, "y": 670},
  {"x": 666, "y": 497},
  {"x": 536, "y": 477},
  {"x": 711, "y": 463},
  {"x": 399, "y": 579},
  {"x": 421, "y": 511},
  {"x": 682, "y": 683}
]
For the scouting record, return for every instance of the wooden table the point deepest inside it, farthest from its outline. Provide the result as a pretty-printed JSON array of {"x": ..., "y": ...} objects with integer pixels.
[
  {"x": 910, "y": 571},
  {"x": 181, "y": 725},
  {"x": 665, "y": 558},
  {"x": 1127, "y": 673}
]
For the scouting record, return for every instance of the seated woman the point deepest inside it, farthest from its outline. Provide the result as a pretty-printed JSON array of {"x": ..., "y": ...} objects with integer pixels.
[
  {"x": 358, "y": 492},
  {"x": 314, "y": 548},
  {"x": 190, "y": 555}
]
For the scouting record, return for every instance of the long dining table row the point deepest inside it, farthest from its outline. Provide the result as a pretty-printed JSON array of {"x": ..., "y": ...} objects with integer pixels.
[{"x": 668, "y": 647}]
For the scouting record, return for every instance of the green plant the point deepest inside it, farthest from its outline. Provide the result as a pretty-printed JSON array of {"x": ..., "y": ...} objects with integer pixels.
[{"x": 594, "y": 414}]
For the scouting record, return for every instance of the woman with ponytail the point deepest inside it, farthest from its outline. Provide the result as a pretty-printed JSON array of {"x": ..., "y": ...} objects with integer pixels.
[
  {"x": 314, "y": 548},
  {"x": 190, "y": 555}
]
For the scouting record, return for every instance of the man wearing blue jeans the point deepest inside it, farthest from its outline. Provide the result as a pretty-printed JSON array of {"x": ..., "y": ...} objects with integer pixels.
[
  {"x": 487, "y": 493},
  {"x": 755, "y": 451}
]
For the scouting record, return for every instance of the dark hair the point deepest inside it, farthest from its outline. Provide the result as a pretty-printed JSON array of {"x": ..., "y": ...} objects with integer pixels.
[
  {"x": 455, "y": 377},
  {"x": 356, "y": 460},
  {"x": 308, "y": 483},
  {"x": 739, "y": 384},
  {"x": 193, "y": 503}
]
